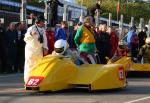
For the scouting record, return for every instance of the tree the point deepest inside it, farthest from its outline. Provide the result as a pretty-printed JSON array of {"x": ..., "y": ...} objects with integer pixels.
[
  {"x": 128, "y": 9},
  {"x": 87, "y": 3}
]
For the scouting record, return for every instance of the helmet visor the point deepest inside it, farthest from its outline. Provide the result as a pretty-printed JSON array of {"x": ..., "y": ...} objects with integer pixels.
[{"x": 59, "y": 50}]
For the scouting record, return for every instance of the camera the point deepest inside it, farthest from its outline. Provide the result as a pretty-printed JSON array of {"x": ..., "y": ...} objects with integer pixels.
[{"x": 40, "y": 39}]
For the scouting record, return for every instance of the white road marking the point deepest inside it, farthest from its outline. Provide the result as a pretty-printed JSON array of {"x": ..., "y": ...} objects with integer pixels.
[{"x": 137, "y": 100}]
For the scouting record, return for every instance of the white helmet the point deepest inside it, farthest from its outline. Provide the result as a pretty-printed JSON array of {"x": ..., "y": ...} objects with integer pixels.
[{"x": 60, "y": 46}]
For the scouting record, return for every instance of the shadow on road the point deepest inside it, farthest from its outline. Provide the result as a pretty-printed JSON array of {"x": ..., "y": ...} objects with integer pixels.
[{"x": 81, "y": 91}]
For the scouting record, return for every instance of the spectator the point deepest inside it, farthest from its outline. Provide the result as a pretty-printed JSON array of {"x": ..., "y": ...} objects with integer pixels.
[
  {"x": 32, "y": 17},
  {"x": 131, "y": 32},
  {"x": 23, "y": 27},
  {"x": 71, "y": 40},
  {"x": 103, "y": 44},
  {"x": 36, "y": 45},
  {"x": 132, "y": 41},
  {"x": 11, "y": 50},
  {"x": 2, "y": 49},
  {"x": 20, "y": 47},
  {"x": 145, "y": 52},
  {"x": 142, "y": 36},
  {"x": 99, "y": 29},
  {"x": 71, "y": 35},
  {"x": 113, "y": 40},
  {"x": 50, "y": 39},
  {"x": 61, "y": 32}
]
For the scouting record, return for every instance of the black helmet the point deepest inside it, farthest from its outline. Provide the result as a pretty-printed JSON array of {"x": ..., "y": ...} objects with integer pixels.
[
  {"x": 145, "y": 29},
  {"x": 40, "y": 18},
  {"x": 133, "y": 27}
]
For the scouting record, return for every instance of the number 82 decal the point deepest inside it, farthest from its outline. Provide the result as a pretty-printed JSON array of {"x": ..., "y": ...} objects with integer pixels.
[{"x": 34, "y": 81}]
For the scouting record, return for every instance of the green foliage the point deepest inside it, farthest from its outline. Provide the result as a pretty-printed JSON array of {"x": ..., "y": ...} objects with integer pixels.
[
  {"x": 137, "y": 10},
  {"x": 87, "y": 3}
]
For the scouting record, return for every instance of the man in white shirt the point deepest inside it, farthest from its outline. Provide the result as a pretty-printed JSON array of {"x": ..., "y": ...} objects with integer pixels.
[{"x": 36, "y": 45}]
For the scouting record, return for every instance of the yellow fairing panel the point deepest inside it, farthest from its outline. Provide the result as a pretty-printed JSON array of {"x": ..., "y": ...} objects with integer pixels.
[
  {"x": 56, "y": 70},
  {"x": 100, "y": 76},
  {"x": 58, "y": 73},
  {"x": 129, "y": 65},
  {"x": 140, "y": 67},
  {"x": 126, "y": 62}
]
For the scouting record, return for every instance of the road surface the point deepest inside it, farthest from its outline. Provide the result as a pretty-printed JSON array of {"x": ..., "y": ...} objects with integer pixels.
[{"x": 12, "y": 91}]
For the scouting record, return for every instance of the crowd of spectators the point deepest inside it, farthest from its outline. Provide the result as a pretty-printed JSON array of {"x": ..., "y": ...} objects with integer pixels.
[{"x": 82, "y": 36}]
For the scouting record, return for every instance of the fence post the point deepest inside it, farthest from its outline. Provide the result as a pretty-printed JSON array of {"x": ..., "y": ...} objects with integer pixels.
[
  {"x": 141, "y": 25},
  {"x": 65, "y": 17},
  {"x": 132, "y": 22},
  {"x": 47, "y": 15},
  {"x": 110, "y": 18},
  {"x": 121, "y": 27},
  {"x": 97, "y": 17},
  {"x": 148, "y": 29}
]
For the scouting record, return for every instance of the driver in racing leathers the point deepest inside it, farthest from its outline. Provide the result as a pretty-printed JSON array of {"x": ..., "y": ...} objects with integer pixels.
[
  {"x": 145, "y": 51},
  {"x": 61, "y": 47}
]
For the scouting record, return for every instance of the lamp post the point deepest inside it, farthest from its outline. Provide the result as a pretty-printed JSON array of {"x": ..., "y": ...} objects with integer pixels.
[
  {"x": 65, "y": 16},
  {"x": 23, "y": 13},
  {"x": 132, "y": 21},
  {"x": 121, "y": 27},
  {"x": 118, "y": 10},
  {"x": 110, "y": 18},
  {"x": 47, "y": 12},
  {"x": 81, "y": 16},
  {"x": 148, "y": 28}
]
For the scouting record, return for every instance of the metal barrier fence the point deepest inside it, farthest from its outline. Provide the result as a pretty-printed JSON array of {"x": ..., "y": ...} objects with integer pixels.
[{"x": 9, "y": 17}]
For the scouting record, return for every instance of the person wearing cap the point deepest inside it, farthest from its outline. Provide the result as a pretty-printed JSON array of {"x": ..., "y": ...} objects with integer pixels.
[
  {"x": 84, "y": 38},
  {"x": 36, "y": 45},
  {"x": 121, "y": 51},
  {"x": 145, "y": 52}
]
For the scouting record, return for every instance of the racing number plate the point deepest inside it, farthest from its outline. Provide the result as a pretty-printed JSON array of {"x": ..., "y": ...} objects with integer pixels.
[
  {"x": 121, "y": 73},
  {"x": 34, "y": 81}
]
